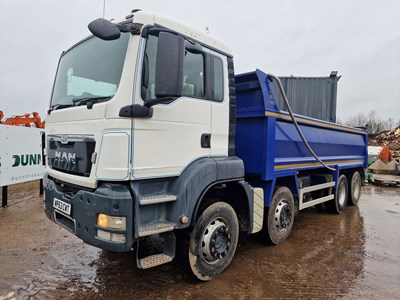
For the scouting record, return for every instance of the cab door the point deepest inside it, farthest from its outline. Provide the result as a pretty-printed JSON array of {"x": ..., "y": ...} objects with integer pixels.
[{"x": 179, "y": 129}]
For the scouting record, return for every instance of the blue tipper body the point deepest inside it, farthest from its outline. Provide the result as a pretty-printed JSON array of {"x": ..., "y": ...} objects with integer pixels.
[{"x": 270, "y": 146}]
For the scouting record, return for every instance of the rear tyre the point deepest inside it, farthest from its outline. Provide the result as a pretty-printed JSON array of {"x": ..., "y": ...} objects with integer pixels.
[
  {"x": 355, "y": 189},
  {"x": 213, "y": 241},
  {"x": 280, "y": 215},
  {"x": 338, "y": 204}
]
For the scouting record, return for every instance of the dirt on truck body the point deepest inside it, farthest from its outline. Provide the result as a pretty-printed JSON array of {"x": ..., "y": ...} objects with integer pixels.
[{"x": 351, "y": 255}]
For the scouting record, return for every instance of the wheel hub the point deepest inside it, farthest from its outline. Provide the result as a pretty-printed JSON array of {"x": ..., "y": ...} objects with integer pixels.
[
  {"x": 283, "y": 216},
  {"x": 216, "y": 241}
]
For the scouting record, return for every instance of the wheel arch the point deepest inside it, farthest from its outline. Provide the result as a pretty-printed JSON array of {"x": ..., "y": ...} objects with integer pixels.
[
  {"x": 290, "y": 182},
  {"x": 237, "y": 194}
]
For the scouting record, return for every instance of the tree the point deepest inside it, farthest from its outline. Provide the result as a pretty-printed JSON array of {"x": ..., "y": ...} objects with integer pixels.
[
  {"x": 372, "y": 120},
  {"x": 391, "y": 123}
]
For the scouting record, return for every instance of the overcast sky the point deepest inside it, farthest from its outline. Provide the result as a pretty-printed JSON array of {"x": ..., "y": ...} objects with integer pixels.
[{"x": 358, "y": 38}]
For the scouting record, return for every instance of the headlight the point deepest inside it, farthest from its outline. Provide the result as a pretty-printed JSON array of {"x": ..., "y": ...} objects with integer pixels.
[{"x": 111, "y": 222}]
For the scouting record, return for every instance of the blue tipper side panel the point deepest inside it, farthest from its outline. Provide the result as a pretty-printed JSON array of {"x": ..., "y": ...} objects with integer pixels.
[{"x": 270, "y": 146}]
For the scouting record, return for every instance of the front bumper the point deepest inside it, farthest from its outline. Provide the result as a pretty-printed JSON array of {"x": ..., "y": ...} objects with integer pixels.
[{"x": 112, "y": 199}]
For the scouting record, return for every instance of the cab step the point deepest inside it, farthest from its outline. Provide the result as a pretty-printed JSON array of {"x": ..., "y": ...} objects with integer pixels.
[
  {"x": 157, "y": 199},
  {"x": 154, "y": 260},
  {"x": 155, "y": 250},
  {"x": 155, "y": 229}
]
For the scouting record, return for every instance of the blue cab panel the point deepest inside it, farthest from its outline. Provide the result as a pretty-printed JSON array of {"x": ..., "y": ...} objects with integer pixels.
[{"x": 269, "y": 144}]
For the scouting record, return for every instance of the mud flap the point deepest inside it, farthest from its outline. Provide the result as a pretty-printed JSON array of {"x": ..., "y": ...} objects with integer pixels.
[{"x": 258, "y": 209}]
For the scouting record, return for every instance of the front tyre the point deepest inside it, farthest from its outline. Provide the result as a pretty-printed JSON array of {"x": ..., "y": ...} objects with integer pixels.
[
  {"x": 280, "y": 215},
  {"x": 213, "y": 241}
]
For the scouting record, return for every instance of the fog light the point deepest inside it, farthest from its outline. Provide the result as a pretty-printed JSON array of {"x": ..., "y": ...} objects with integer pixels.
[
  {"x": 118, "y": 238},
  {"x": 111, "y": 222},
  {"x": 111, "y": 237},
  {"x": 104, "y": 235}
]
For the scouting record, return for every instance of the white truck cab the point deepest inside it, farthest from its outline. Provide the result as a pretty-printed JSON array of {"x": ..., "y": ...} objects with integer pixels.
[{"x": 97, "y": 79}]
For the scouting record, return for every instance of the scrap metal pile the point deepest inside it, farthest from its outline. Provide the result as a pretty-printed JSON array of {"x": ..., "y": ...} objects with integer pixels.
[
  {"x": 386, "y": 168},
  {"x": 390, "y": 139}
]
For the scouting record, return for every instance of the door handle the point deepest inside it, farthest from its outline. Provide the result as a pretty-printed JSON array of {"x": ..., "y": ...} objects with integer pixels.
[{"x": 206, "y": 140}]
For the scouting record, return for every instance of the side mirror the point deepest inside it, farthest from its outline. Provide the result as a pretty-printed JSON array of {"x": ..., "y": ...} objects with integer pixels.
[
  {"x": 170, "y": 52},
  {"x": 104, "y": 29}
]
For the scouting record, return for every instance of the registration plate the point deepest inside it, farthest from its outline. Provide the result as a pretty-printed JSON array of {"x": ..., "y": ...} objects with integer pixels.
[{"x": 62, "y": 206}]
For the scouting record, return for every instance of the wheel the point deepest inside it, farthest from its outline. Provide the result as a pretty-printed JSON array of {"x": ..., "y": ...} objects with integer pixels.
[
  {"x": 338, "y": 204},
  {"x": 355, "y": 189},
  {"x": 280, "y": 215},
  {"x": 213, "y": 241}
]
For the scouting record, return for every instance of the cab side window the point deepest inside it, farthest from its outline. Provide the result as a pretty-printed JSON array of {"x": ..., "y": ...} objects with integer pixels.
[
  {"x": 202, "y": 74},
  {"x": 193, "y": 75},
  {"x": 218, "y": 72}
]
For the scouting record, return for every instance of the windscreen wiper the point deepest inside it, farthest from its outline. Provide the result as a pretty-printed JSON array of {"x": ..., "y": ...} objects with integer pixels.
[
  {"x": 89, "y": 101},
  {"x": 163, "y": 100},
  {"x": 57, "y": 106}
]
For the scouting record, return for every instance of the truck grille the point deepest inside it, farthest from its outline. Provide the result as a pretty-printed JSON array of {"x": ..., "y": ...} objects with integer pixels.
[{"x": 70, "y": 154}]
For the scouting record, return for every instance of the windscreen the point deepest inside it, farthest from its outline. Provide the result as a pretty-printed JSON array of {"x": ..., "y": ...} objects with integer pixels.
[{"x": 92, "y": 69}]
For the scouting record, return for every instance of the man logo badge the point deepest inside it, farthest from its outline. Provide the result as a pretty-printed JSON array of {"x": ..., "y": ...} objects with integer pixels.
[{"x": 64, "y": 139}]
